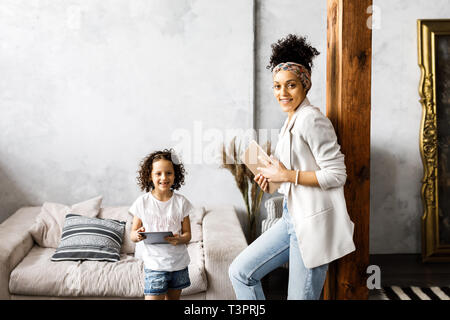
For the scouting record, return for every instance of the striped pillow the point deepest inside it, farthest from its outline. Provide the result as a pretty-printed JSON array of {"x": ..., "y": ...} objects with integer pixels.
[{"x": 85, "y": 238}]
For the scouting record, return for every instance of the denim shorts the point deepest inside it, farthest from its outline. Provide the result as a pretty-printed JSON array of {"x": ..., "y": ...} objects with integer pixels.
[{"x": 159, "y": 282}]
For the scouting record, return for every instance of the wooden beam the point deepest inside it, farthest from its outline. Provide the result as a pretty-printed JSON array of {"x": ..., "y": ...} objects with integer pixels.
[{"x": 349, "y": 54}]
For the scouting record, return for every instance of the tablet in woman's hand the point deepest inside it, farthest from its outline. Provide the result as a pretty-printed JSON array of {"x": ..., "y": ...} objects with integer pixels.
[{"x": 252, "y": 159}]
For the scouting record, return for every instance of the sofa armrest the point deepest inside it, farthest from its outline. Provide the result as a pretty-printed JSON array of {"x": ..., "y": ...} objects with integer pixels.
[
  {"x": 274, "y": 207},
  {"x": 223, "y": 240},
  {"x": 266, "y": 224},
  {"x": 15, "y": 243}
]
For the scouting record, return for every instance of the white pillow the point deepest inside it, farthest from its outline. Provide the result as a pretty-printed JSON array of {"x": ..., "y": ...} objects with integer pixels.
[
  {"x": 196, "y": 218},
  {"x": 47, "y": 228}
]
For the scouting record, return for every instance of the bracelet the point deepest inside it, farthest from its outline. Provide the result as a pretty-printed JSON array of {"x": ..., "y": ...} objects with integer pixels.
[{"x": 296, "y": 177}]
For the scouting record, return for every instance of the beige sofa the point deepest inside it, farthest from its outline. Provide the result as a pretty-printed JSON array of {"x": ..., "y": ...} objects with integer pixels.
[{"x": 26, "y": 271}]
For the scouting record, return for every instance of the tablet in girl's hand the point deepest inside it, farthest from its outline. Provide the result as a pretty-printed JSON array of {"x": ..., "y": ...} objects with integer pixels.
[{"x": 156, "y": 237}]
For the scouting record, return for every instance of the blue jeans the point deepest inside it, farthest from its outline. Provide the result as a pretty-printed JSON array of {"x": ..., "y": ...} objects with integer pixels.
[{"x": 272, "y": 249}]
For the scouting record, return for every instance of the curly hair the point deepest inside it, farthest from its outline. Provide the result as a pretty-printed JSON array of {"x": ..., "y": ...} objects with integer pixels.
[
  {"x": 292, "y": 48},
  {"x": 144, "y": 178}
]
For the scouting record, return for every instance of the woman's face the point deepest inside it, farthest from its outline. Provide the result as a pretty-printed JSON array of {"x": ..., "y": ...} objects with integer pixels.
[
  {"x": 163, "y": 175},
  {"x": 288, "y": 91}
]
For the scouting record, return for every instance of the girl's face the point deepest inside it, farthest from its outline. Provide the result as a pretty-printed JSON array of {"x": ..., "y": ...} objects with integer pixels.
[
  {"x": 163, "y": 175},
  {"x": 288, "y": 90}
]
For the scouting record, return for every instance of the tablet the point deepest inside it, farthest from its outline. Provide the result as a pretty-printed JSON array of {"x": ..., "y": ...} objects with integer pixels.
[
  {"x": 156, "y": 237},
  {"x": 251, "y": 160}
]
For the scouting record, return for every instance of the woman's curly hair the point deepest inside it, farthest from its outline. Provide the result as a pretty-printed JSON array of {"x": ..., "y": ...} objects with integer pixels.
[
  {"x": 292, "y": 48},
  {"x": 144, "y": 178}
]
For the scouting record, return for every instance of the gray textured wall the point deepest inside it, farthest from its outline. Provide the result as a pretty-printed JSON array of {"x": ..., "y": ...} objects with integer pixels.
[
  {"x": 90, "y": 87},
  {"x": 396, "y": 166}
]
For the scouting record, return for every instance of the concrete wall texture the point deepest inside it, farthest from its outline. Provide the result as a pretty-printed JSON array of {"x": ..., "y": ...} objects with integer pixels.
[
  {"x": 396, "y": 165},
  {"x": 88, "y": 88}
]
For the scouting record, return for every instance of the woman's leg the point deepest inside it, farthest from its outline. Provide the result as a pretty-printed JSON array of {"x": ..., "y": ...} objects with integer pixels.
[
  {"x": 267, "y": 252},
  {"x": 304, "y": 283}
]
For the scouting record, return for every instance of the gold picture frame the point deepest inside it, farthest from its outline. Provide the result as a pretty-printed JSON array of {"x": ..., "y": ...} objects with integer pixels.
[{"x": 434, "y": 91}]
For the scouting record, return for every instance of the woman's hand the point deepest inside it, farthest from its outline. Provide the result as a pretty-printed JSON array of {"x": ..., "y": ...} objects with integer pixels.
[
  {"x": 274, "y": 171},
  {"x": 262, "y": 182}
]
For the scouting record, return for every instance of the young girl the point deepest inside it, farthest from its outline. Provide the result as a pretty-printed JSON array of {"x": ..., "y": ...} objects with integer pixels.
[{"x": 162, "y": 209}]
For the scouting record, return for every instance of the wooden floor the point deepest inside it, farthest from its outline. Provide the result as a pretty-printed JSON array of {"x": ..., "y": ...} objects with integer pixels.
[{"x": 396, "y": 269}]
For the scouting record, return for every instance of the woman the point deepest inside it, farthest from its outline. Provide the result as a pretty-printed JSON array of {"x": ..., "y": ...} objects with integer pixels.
[{"x": 315, "y": 228}]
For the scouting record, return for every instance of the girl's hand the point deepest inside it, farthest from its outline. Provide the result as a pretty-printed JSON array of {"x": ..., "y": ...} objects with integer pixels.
[
  {"x": 176, "y": 239},
  {"x": 138, "y": 236},
  {"x": 274, "y": 171}
]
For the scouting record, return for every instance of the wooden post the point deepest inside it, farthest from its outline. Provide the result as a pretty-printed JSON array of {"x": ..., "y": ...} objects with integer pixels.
[{"x": 349, "y": 52}]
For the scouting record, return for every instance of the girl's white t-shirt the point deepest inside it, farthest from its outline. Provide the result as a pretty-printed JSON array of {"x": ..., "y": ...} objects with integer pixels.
[{"x": 156, "y": 216}]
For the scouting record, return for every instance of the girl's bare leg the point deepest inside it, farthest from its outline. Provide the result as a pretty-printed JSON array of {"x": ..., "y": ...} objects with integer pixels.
[
  {"x": 173, "y": 294},
  {"x": 156, "y": 297}
]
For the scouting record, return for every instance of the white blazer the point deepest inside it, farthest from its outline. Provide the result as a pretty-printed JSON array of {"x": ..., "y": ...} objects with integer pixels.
[{"x": 322, "y": 225}]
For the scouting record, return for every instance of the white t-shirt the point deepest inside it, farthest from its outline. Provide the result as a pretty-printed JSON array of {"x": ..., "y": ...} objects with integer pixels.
[{"x": 156, "y": 216}]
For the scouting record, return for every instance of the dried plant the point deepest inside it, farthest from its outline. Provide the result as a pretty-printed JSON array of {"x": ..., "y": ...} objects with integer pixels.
[{"x": 250, "y": 190}]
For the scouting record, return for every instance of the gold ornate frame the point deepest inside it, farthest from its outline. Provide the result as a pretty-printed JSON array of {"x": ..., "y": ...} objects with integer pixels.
[{"x": 428, "y": 33}]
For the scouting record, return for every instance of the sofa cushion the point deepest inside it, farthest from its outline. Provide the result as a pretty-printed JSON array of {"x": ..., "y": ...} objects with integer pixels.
[
  {"x": 196, "y": 219},
  {"x": 197, "y": 272},
  {"x": 120, "y": 213},
  {"x": 37, "y": 275},
  {"x": 46, "y": 230},
  {"x": 196, "y": 216},
  {"x": 274, "y": 207},
  {"x": 85, "y": 238}
]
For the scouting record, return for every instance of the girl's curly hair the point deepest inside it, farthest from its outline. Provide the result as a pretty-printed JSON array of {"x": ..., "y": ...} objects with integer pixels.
[
  {"x": 292, "y": 48},
  {"x": 144, "y": 178}
]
